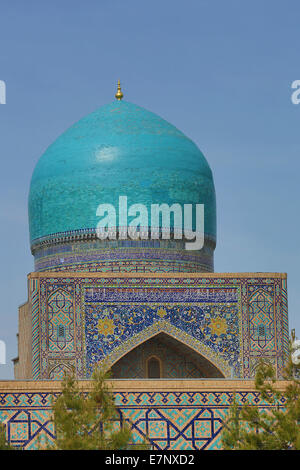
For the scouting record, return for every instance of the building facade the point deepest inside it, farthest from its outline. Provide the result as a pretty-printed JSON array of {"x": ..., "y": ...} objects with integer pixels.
[{"x": 179, "y": 338}]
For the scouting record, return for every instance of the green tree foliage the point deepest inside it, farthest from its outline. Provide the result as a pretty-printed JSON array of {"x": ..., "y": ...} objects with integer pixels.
[
  {"x": 277, "y": 425},
  {"x": 88, "y": 420},
  {"x": 4, "y": 445}
]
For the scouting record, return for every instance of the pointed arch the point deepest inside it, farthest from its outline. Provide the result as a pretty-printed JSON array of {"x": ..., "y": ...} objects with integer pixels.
[
  {"x": 59, "y": 370},
  {"x": 163, "y": 356},
  {"x": 178, "y": 335},
  {"x": 154, "y": 367}
]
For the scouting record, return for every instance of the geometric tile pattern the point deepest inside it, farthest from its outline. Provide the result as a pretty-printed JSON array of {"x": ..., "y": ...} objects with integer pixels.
[
  {"x": 177, "y": 428},
  {"x": 171, "y": 420},
  {"x": 261, "y": 316},
  {"x": 60, "y": 321},
  {"x": 36, "y": 333}
]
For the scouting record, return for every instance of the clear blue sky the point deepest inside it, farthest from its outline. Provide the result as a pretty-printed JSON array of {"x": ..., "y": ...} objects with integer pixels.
[{"x": 220, "y": 71}]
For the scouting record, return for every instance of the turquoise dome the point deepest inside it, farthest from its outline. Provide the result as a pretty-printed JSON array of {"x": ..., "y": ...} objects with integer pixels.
[{"x": 120, "y": 149}]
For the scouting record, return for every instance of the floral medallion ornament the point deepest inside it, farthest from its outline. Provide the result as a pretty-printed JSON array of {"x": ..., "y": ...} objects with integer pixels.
[
  {"x": 106, "y": 326},
  {"x": 218, "y": 326},
  {"x": 161, "y": 312}
]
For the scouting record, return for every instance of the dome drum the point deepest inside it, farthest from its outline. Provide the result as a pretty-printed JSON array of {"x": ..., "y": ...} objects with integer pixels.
[{"x": 92, "y": 254}]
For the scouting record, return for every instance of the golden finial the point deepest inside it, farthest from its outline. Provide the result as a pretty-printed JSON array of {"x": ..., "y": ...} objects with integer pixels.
[{"x": 119, "y": 95}]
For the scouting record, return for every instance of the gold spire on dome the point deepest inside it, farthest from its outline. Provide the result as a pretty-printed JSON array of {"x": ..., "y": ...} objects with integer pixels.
[{"x": 119, "y": 95}]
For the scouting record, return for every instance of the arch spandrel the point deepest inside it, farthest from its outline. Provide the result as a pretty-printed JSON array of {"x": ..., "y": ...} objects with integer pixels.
[{"x": 175, "y": 333}]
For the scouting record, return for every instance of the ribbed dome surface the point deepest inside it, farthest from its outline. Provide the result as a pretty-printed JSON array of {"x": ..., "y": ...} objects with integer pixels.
[{"x": 119, "y": 150}]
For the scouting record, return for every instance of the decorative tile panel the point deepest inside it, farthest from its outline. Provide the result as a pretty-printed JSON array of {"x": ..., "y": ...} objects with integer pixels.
[
  {"x": 231, "y": 320},
  {"x": 181, "y": 419}
]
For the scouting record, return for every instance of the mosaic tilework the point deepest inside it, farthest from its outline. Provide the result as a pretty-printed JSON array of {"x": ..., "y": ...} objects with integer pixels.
[
  {"x": 79, "y": 170},
  {"x": 213, "y": 329},
  {"x": 36, "y": 333},
  {"x": 65, "y": 353},
  {"x": 60, "y": 321},
  {"x": 134, "y": 265},
  {"x": 123, "y": 256},
  {"x": 231, "y": 321},
  {"x": 170, "y": 420},
  {"x": 284, "y": 315}
]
